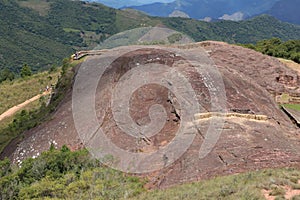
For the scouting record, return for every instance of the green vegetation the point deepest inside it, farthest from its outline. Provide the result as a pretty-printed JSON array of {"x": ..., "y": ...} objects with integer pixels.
[
  {"x": 6, "y": 75},
  {"x": 174, "y": 38},
  {"x": 28, "y": 119},
  {"x": 6, "y": 122},
  {"x": 19, "y": 90},
  {"x": 41, "y": 33},
  {"x": 62, "y": 174},
  {"x": 277, "y": 48},
  {"x": 25, "y": 71},
  {"x": 293, "y": 106}
]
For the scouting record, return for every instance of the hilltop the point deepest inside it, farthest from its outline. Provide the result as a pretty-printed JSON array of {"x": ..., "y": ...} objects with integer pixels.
[
  {"x": 247, "y": 142},
  {"x": 245, "y": 90},
  {"x": 40, "y": 33}
]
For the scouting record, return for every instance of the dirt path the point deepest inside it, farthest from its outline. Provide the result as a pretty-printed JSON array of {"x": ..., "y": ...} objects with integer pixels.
[
  {"x": 16, "y": 108},
  {"x": 289, "y": 192}
]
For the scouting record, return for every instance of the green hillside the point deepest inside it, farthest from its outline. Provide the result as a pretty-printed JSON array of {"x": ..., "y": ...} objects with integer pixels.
[
  {"x": 41, "y": 33},
  {"x": 19, "y": 90},
  {"x": 248, "y": 31},
  {"x": 26, "y": 37}
]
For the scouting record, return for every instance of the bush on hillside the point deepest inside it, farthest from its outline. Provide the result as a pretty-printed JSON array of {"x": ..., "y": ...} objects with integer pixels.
[
  {"x": 277, "y": 48},
  {"x": 65, "y": 175},
  {"x": 6, "y": 74},
  {"x": 25, "y": 71}
]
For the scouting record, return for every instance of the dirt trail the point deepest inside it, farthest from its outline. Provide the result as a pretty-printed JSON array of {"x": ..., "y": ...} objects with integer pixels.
[
  {"x": 16, "y": 108},
  {"x": 289, "y": 193}
]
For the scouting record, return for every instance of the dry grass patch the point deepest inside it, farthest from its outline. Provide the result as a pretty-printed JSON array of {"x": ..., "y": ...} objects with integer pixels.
[
  {"x": 291, "y": 64},
  {"x": 18, "y": 91},
  {"x": 41, "y": 6},
  {"x": 240, "y": 186}
]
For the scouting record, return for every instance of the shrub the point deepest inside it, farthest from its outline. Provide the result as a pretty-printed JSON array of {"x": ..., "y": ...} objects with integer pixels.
[
  {"x": 6, "y": 74},
  {"x": 25, "y": 71},
  {"x": 66, "y": 175}
]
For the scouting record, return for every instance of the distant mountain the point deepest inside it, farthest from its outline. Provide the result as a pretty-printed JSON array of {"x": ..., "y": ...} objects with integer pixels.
[
  {"x": 286, "y": 10},
  {"x": 216, "y": 9},
  {"x": 126, "y": 3}
]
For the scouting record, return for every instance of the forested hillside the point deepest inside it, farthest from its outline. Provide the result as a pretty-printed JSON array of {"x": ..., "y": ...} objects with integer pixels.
[
  {"x": 43, "y": 36},
  {"x": 277, "y": 48},
  {"x": 25, "y": 37},
  {"x": 248, "y": 31},
  {"x": 41, "y": 33}
]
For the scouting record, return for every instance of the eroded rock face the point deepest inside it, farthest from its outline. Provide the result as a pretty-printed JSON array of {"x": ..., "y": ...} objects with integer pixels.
[{"x": 251, "y": 81}]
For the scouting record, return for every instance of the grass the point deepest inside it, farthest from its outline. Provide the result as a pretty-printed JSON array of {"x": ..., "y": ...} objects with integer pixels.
[
  {"x": 19, "y": 90},
  {"x": 36, "y": 112},
  {"x": 291, "y": 64},
  {"x": 241, "y": 186},
  {"x": 293, "y": 106}
]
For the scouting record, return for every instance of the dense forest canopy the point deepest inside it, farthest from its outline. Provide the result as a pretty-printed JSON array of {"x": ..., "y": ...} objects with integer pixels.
[{"x": 278, "y": 48}]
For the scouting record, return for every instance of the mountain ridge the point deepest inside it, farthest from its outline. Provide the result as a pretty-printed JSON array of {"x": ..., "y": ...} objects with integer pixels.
[
  {"x": 124, "y": 3},
  {"x": 199, "y": 9},
  {"x": 286, "y": 10}
]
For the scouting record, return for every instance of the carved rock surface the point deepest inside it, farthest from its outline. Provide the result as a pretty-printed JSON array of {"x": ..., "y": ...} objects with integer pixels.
[{"x": 251, "y": 82}]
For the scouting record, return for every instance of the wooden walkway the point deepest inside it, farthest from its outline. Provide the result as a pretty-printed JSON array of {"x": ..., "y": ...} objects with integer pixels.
[{"x": 81, "y": 54}]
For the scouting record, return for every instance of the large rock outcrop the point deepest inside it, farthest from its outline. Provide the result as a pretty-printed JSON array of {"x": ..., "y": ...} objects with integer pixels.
[{"x": 251, "y": 81}]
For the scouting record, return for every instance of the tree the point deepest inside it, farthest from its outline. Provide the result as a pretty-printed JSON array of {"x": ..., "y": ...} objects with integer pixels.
[
  {"x": 26, "y": 71},
  {"x": 176, "y": 37},
  {"x": 295, "y": 57},
  {"x": 6, "y": 74}
]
